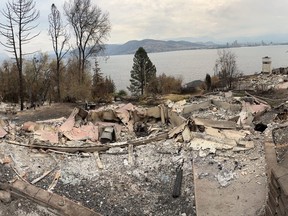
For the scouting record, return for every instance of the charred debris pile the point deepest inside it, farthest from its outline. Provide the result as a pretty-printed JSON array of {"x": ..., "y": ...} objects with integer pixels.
[{"x": 131, "y": 141}]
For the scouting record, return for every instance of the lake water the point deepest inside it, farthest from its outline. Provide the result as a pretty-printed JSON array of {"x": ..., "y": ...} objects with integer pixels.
[{"x": 194, "y": 64}]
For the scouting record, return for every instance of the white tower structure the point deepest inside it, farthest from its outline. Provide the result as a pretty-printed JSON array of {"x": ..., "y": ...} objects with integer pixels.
[{"x": 266, "y": 65}]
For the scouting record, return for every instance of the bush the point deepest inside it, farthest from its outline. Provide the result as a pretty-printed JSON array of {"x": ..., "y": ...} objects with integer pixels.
[
  {"x": 164, "y": 84},
  {"x": 122, "y": 93},
  {"x": 103, "y": 89}
]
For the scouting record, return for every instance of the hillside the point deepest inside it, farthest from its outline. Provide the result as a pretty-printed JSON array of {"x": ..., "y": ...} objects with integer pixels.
[{"x": 152, "y": 46}]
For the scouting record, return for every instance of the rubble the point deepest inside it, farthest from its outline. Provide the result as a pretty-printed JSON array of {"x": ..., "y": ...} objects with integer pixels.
[
  {"x": 62, "y": 205},
  {"x": 120, "y": 157},
  {"x": 5, "y": 196},
  {"x": 2, "y": 132}
]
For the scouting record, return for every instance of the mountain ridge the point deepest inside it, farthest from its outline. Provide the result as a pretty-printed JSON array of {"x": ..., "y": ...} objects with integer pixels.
[{"x": 153, "y": 46}]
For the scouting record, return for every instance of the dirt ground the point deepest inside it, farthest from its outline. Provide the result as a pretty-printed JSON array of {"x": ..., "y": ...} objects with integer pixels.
[
  {"x": 237, "y": 179},
  {"x": 56, "y": 110}
]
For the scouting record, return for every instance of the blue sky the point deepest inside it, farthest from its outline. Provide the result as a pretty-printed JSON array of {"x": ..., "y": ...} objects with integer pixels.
[{"x": 218, "y": 20}]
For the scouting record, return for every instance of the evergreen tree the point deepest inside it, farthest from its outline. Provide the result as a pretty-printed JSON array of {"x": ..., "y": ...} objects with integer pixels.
[
  {"x": 102, "y": 87},
  {"x": 98, "y": 81},
  {"x": 143, "y": 71}
]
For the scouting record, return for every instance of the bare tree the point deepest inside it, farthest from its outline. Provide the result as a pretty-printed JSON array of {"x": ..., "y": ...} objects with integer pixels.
[
  {"x": 37, "y": 77},
  {"x": 91, "y": 28},
  {"x": 60, "y": 39},
  {"x": 226, "y": 68},
  {"x": 19, "y": 16}
]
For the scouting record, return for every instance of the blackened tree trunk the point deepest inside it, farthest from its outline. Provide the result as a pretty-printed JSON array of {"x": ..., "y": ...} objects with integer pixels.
[{"x": 19, "y": 16}]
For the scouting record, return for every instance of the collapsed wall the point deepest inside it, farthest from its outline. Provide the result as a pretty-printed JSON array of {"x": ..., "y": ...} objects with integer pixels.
[{"x": 277, "y": 202}]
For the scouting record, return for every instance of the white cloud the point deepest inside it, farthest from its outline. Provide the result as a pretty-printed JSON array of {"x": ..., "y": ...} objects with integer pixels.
[
  {"x": 194, "y": 18},
  {"x": 162, "y": 19}
]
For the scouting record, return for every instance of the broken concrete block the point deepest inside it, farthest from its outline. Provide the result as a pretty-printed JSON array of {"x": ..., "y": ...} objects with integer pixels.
[
  {"x": 246, "y": 144},
  {"x": 58, "y": 120},
  {"x": 214, "y": 136},
  {"x": 199, "y": 143},
  {"x": 203, "y": 153},
  {"x": 69, "y": 123},
  {"x": 266, "y": 118},
  {"x": 154, "y": 112},
  {"x": 141, "y": 112},
  {"x": 29, "y": 126},
  {"x": 280, "y": 135},
  {"x": 249, "y": 111},
  {"x": 235, "y": 135},
  {"x": 175, "y": 119},
  {"x": 135, "y": 117},
  {"x": 179, "y": 138},
  {"x": 186, "y": 134},
  {"x": 215, "y": 124},
  {"x": 6, "y": 160},
  {"x": 95, "y": 116},
  {"x": 2, "y": 123},
  {"x": 282, "y": 85},
  {"x": 169, "y": 103},
  {"x": 245, "y": 118},
  {"x": 85, "y": 132},
  {"x": 194, "y": 107},
  {"x": 129, "y": 107},
  {"x": 256, "y": 109},
  {"x": 177, "y": 130},
  {"x": 123, "y": 113},
  {"x": 46, "y": 135},
  {"x": 2, "y": 132},
  {"x": 5, "y": 196},
  {"x": 214, "y": 132},
  {"x": 109, "y": 115},
  {"x": 178, "y": 106},
  {"x": 228, "y": 94},
  {"x": 163, "y": 113},
  {"x": 227, "y": 106}
]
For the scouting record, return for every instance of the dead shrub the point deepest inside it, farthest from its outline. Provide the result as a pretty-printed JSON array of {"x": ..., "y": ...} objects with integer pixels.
[
  {"x": 215, "y": 82},
  {"x": 164, "y": 84}
]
